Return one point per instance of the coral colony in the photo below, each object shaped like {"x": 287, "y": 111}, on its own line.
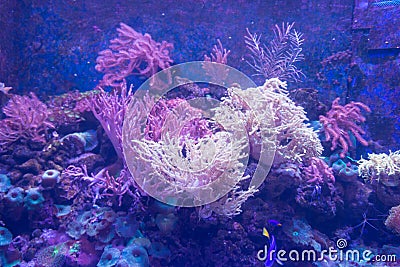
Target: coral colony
{"x": 77, "y": 182}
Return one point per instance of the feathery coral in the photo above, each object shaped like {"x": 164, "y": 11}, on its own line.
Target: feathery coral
{"x": 278, "y": 59}
{"x": 272, "y": 118}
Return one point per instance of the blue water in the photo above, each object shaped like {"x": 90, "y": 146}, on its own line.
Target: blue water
{"x": 75, "y": 189}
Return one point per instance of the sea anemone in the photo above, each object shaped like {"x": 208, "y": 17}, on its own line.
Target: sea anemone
{"x": 33, "y": 198}
{"x": 50, "y": 178}
{"x": 5, "y": 236}
{"x": 135, "y": 256}
{"x": 109, "y": 257}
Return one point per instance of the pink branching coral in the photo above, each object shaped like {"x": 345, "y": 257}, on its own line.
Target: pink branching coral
{"x": 341, "y": 120}
{"x": 109, "y": 109}
{"x": 132, "y": 53}
{"x": 393, "y": 220}
{"x": 219, "y": 55}
{"x": 195, "y": 128}
{"x": 318, "y": 171}
{"x": 27, "y": 118}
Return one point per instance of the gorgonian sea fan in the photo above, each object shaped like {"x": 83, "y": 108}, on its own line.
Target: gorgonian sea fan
{"x": 277, "y": 60}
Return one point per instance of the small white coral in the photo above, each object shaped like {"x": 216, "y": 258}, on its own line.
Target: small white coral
{"x": 381, "y": 167}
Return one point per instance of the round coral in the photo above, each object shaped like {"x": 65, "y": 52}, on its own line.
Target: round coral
{"x": 5, "y": 237}
{"x": 50, "y": 178}
{"x": 159, "y": 251}
{"x": 15, "y": 197}
{"x": 109, "y": 257}
{"x": 135, "y": 256}
{"x": 33, "y": 198}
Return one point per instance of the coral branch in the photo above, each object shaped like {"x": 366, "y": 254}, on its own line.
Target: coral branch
{"x": 132, "y": 53}
{"x": 278, "y": 59}
{"x": 27, "y": 118}
{"x": 341, "y": 120}
{"x": 318, "y": 171}
{"x": 109, "y": 109}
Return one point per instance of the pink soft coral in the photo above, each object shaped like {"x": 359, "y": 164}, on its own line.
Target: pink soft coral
{"x": 341, "y": 120}
{"x": 27, "y": 118}
{"x": 318, "y": 172}
{"x": 132, "y": 53}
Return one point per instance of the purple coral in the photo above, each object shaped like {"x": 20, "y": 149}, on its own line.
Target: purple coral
{"x": 109, "y": 109}
{"x": 341, "y": 120}
{"x": 132, "y": 53}
{"x": 27, "y": 118}
{"x": 194, "y": 128}
{"x": 318, "y": 171}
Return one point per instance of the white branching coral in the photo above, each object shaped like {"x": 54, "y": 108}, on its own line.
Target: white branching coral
{"x": 275, "y": 122}
{"x": 208, "y": 170}
{"x": 381, "y": 167}
{"x": 188, "y": 170}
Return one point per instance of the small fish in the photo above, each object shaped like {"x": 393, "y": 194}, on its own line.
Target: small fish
{"x": 265, "y": 232}
{"x": 275, "y": 222}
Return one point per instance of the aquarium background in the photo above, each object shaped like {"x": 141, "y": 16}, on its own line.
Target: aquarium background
{"x": 351, "y": 51}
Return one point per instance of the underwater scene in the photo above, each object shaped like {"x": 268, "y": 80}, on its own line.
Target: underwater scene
{"x": 199, "y": 133}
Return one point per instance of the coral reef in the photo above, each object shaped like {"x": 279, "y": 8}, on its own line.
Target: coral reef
{"x": 118, "y": 177}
